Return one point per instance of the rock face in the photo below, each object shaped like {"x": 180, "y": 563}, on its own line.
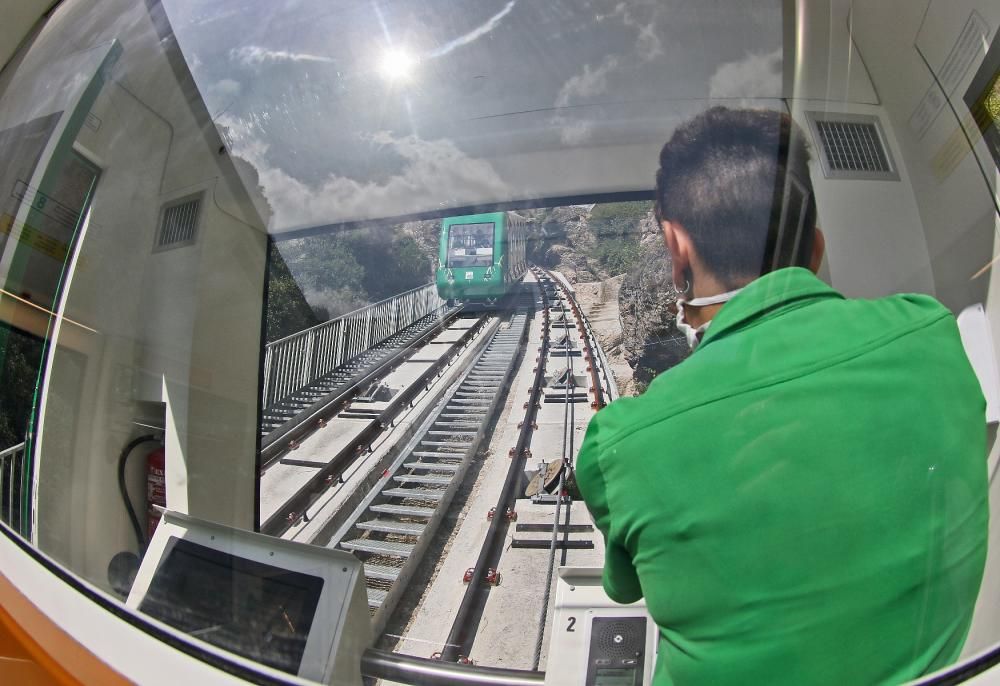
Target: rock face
{"x": 560, "y": 238}
{"x": 647, "y": 305}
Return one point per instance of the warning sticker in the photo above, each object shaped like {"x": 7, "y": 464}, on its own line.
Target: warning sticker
{"x": 32, "y": 237}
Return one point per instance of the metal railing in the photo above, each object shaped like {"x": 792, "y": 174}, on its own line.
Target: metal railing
{"x": 11, "y": 471}
{"x": 295, "y": 361}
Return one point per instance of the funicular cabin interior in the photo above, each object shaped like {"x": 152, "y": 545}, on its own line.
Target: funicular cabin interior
{"x": 170, "y": 172}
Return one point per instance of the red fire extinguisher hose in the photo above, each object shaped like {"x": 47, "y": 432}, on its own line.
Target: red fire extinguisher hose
{"x": 122, "y": 459}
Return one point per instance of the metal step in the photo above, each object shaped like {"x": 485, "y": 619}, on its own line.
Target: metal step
{"x": 403, "y": 510}
{"x": 415, "y": 493}
{"x": 438, "y": 454}
{"x": 388, "y": 526}
{"x": 376, "y": 597}
{"x": 367, "y": 545}
{"x": 433, "y": 466}
{"x": 423, "y": 479}
{"x": 381, "y": 572}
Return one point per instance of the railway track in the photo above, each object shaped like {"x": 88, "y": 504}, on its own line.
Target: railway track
{"x": 564, "y": 336}
{"x": 394, "y": 523}
{"x": 369, "y": 420}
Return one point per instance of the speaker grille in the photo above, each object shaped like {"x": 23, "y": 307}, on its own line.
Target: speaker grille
{"x": 618, "y": 639}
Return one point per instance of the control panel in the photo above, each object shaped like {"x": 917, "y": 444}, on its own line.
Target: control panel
{"x": 596, "y": 641}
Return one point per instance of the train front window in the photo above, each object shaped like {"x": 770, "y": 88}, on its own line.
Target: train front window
{"x": 470, "y": 245}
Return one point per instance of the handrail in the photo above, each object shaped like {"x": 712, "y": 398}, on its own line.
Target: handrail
{"x": 347, "y": 314}
{"x": 293, "y": 362}
{"x": 407, "y": 669}
{"x": 11, "y": 473}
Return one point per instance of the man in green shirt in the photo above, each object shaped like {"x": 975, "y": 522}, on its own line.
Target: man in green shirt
{"x": 804, "y": 499}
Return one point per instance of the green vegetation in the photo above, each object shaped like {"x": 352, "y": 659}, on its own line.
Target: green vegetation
{"x": 616, "y": 255}
{"x": 287, "y": 309}
{"x": 21, "y": 355}
{"x": 616, "y": 226}
{"x": 618, "y": 218}
{"x": 321, "y": 277}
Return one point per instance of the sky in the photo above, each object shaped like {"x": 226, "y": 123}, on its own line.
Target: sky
{"x": 350, "y": 110}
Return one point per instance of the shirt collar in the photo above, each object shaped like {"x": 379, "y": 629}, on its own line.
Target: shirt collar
{"x": 764, "y": 295}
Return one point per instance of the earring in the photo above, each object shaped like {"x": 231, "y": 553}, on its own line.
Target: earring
{"x": 687, "y": 285}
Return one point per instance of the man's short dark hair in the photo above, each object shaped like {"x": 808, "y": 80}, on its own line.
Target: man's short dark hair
{"x": 724, "y": 177}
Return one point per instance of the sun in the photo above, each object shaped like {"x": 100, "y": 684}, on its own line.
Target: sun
{"x": 397, "y": 65}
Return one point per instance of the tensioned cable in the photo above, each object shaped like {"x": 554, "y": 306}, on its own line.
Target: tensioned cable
{"x": 567, "y": 443}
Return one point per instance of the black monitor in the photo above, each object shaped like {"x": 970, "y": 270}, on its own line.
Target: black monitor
{"x": 281, "y": 604}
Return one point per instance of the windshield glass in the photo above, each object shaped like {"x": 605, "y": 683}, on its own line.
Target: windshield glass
{"x": 470, "y": 245}
{"x": 237, "y": 252}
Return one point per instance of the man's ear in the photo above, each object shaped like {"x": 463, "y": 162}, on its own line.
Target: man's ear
{"x": 819, "y": 248}
{"x": 679, "y": 246}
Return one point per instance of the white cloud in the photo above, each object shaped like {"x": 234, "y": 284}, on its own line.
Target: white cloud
{"x": 588, "y": 83}
{"x": 476, "y": 33}
{"x": 225, "y": 88}
{"x": 254, "y": 55}
{"x": 648, "y": 45}
{"x": 431, "y": 170}
{"x": 755, "y": 76}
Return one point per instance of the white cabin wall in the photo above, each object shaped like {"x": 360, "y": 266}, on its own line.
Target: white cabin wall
{"x": 874, "y": 237}
{"x": 953, "y": 198}
{"x": 178, "y": 327}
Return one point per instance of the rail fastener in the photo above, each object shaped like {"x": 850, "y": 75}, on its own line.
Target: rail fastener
{"x": 492, "y": 576}
{"x": 510, "y": 514}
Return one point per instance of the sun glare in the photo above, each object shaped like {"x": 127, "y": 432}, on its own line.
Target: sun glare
{"x": 397, "y": 65}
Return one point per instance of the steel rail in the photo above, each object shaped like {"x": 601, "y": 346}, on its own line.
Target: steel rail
{"x": 295, "y": 507}
{"x": 466, "y": 622}
{"x": 588, "y": 352}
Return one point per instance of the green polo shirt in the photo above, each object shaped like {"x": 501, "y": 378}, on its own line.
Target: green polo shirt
{"x": 804, "y": 499}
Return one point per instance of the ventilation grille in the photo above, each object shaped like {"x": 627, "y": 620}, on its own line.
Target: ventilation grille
{"x": 178, "y": 223}
{"x": 852, "y": 146}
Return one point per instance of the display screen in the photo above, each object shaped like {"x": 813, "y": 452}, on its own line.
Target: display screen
{"x": 470, "y": 245}
{"x": 246, "y": 607}
{"x": 615, "y": 677}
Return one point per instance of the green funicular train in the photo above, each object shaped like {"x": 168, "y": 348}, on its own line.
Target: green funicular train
{"x": 481, "y": 257}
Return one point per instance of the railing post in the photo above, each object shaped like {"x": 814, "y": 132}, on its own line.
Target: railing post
{"x": 312, "y": 355}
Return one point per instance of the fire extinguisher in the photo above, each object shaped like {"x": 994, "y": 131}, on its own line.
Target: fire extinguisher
{"x": 156, "y": 488}
{"x": 156, "y": 491}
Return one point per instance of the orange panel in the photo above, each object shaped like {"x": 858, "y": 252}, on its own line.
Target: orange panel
{"x": 35, "y": 651}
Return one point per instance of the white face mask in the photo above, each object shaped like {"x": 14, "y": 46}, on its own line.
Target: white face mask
{"x": 692, "y": 334}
